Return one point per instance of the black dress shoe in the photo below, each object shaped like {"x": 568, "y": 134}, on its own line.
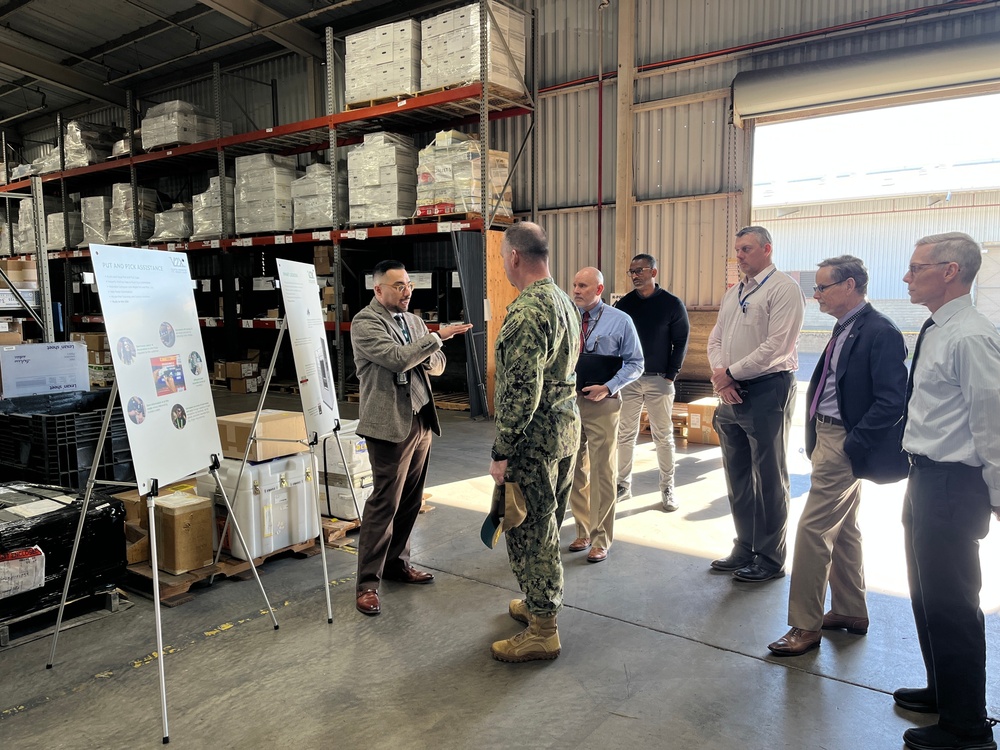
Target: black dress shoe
{"x": 732, "y": 562}
{"x": 936, "y": 738}
{"x": 408, "y": 574}
{"x": 918, "y": 700}
{"x": 756, "y": 573}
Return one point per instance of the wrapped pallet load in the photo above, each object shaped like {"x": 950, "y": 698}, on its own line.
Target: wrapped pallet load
{"x": 451, "y": 45}
{"x": 206, "y": 212}
{"x": 312, "y": 197}
{"x": 96, "y": 216}
{"x": 177, "y": 122}
{"x": 25, "y": 222}
{"x": 172, "y": 224}
{"x": 83, "y": 143}
{"x": 122, "y": 213}
{"x": 63, "y": 230}
{"x": 449, "y": 177}
{"x": 264, "y": 193}
{"x": 382, "y": 62}
{"x": 382, "y": 178}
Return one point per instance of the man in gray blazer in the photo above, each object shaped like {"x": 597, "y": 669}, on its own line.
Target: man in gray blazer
{"x": 395, "y": 355}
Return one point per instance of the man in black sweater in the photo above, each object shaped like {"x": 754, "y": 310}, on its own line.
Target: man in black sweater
{"x": 662, "y": 323}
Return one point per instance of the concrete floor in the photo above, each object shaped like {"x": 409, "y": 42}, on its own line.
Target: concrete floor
{"x": 657, "y": 651}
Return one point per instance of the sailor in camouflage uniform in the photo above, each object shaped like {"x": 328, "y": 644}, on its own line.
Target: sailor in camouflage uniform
{"x": 538, "y": 434}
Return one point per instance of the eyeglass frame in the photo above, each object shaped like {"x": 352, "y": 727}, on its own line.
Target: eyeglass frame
{"x": 638, "y": 271}
{"x": 400, "y": 286}
{"x": 820, "y": 288}
{"x": 914, "y": 268}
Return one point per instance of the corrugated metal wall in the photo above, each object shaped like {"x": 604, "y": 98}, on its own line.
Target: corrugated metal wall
{"x": 881, "y": 232}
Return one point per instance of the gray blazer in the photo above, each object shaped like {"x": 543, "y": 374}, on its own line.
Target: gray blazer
{"x": 380, "y": 351}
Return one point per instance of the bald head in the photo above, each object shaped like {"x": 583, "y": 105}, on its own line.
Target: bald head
{"x": 588, "y": 286}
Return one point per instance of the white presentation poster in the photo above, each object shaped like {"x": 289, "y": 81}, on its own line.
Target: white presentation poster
{"x": 35, "y": 369}
{"x": 303, "y": 315}
{"x": 160, "y": 367}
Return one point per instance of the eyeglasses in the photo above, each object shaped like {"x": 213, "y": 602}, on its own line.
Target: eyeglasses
{"x": 820, "y": 288}
{"x": 401, "y": 287}
{"x": 637, "y": 271}
{"x": 916, "y": 268}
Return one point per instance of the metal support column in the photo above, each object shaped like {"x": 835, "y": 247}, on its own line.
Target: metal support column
{"x": 41, "y": 259}
{"x": 333, "y": 106}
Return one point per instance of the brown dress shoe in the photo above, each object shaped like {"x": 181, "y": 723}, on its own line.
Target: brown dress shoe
{"x": 597, "y": 554}
{"x": 795, "y": 642}
{"x": 408, "y": 574}
{"x": 368, "y": 603}
{"x": 853, "y": 625}
{"x": 579, "y": 545}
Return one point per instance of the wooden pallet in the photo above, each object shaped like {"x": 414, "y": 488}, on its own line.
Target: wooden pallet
{"x": 365, "y": 103}
{"x": 284, "y": 387}
{"x": 175, "y": 590}
{"x": 455, "y": 217}
{"x": 495, "y": 90}
{"x": 335, "y": 532}
{"x": 34, "y": 625}
{"x": 452, "y": 401}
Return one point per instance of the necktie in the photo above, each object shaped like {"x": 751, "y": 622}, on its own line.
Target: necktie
{"x": 403, "y": 328}
{"x": 913, "y": 367}
{"x": 583, "y": 329}
{"x": 831, "y": 345}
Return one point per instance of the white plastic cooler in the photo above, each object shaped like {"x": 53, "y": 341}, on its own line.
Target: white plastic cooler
{"x": 275, "y": 504}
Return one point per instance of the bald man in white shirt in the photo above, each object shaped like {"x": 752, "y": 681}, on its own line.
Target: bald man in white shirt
{"x": 952, "y": 413}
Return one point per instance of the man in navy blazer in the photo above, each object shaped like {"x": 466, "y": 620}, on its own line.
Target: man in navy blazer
{"x": 855, "y": 409}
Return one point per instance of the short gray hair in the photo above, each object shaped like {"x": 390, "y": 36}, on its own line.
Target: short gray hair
{"x": 762, "y": 235}
{"x": 956, "y": 247}
{"x": 845, "y": 267}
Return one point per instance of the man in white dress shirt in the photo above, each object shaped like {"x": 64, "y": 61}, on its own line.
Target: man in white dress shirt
{"x": 951, "y": 435}
{"x": 753, "y": 354}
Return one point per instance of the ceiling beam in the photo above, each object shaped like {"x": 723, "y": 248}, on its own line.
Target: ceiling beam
{"x": 59, "y": 76}
{"x": 255, "y": 15}
{"x": 12, "y": 7}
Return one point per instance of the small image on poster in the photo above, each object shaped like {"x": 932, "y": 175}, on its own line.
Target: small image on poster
{"x": 168, "y": 375}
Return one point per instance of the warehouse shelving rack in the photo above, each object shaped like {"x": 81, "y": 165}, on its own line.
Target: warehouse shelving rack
{"x": 474, "y": 103}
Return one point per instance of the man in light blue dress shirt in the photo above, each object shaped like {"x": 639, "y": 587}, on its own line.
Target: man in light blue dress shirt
{"x": 611, "y": 354}
{"x": 951, "y": 437}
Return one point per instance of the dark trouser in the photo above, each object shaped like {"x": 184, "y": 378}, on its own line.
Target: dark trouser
{"x": 946, "y": 512}
{"x": 398, "y": 470}
{"x": 533, "y": 547}
{"x": 754, "y": 439}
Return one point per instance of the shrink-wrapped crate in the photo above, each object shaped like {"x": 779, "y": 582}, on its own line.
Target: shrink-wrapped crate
{"x": 26, "y": 225}
{"x": 312, "y": 197}
{"x": 172, "y": 224}
{"x": 207, "y": 219}
{"x": 96, "y": 215}
{"x": 264, "y": 193}
{"x": 382, "y": 62}
{"x": 449, "y": 177}
{"x": 83, "y": 143}
{"x": 382, "y": 178}
{"x": 62, "y": 233}
{"x": 176, "y": 122}
{"x": 122, "y": 212}
{"x": 451, "y": 44}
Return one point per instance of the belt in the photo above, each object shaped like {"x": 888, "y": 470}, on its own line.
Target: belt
{"x": 917, "y": 460}
{"x": 769, "y": 376}
{"x": 828, "y": 420}
{"x": 654, "y": 374}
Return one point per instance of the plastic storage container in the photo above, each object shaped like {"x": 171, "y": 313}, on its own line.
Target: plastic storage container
{"x": 275, "y": 504}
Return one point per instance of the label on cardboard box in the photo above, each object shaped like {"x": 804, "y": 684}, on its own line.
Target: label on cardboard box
{"x": 21, "y": 570}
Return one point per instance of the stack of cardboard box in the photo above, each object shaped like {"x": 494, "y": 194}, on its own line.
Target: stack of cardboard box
{"x": 99, "y": 364}
{"x": 11, "y": 332}
{"x": 382, "y": 62}
{"x": 242, "y": 375}
{"x": 382, "y": 177}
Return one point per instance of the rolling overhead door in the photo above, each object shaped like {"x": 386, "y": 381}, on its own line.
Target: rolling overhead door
{"x": 931, "y": 71}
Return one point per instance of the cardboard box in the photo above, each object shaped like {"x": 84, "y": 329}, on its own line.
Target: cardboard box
{"x": 98, "y": 357}
{"x": 94, "y": 341}
{"x": 234, "y": 431}
{"x": 323, "y": 267}
{"x": 183, "y": 532}
{"x": 700, "y": 415}
{"x": 245, "y": 385}
{"x": 219, "y": 370}
{"x": 242, "y": 368}
{"x": 11, "y": 338}
{"x": 135, "y": 504}
{"x": 136, "y": 544}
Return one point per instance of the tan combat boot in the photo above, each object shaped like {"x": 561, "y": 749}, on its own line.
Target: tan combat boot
{"x": 540, "y": 640}
{"x": 518, "y": 609}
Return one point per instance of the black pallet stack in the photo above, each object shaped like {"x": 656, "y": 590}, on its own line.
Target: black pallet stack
{"x": 59, "y": 449}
